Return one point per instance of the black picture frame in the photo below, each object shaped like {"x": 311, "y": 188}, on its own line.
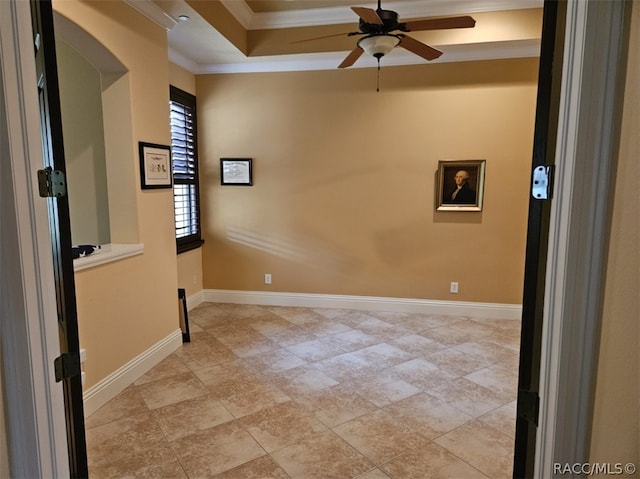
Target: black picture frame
{"x": 155, "y": 166}
{"x": 236, "y": 171}
{"x": 471, "y": 194}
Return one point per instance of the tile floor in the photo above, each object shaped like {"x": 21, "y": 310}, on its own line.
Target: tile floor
{"x": 280, "y": 392}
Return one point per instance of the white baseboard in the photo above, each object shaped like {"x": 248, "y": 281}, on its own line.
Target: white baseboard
{"x": 99, "y": 394}
{"x": 370, "y": 303}
{"x": 195, "y": 300}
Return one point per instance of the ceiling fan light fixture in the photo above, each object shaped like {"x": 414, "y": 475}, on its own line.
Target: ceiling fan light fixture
{"x": 379, "y": 45}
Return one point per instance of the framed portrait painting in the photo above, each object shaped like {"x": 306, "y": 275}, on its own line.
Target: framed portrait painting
{"x": 155, "y": 166}
{"x": 460, "y": 185}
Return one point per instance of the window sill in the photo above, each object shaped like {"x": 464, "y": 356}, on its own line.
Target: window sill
{"x": 108, "y": 253}
{"x": 191, "y": 245}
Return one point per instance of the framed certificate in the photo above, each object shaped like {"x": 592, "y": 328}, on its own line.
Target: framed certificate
{"x": 236, "y": 171}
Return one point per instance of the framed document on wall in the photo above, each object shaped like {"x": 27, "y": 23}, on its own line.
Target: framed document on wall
{"x": 155, "y": 166}
{"x": 236, "y": 171}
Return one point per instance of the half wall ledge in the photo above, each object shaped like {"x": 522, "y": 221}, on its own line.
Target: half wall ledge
{"x": 107, "y": 253}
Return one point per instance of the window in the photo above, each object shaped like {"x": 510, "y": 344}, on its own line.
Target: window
{"x": 184, "y": 158}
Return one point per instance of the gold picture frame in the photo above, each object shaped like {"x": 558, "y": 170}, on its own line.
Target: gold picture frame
{"x": 460, "y": 185}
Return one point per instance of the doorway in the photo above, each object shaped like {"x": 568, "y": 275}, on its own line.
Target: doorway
{"x": 21, "y": 191}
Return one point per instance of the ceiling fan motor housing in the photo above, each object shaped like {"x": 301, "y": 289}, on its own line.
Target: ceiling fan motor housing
{"x": 389, "y": 23}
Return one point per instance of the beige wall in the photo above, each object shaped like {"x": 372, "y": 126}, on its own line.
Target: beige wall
{"x": 616, "y": 423}
{"x": 128, "y": 306}
{"x": 190, "y": 262}
{"x": 343, "y": 195}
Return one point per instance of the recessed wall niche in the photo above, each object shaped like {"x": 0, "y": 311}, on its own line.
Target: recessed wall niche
{"x": 98, "y": 140}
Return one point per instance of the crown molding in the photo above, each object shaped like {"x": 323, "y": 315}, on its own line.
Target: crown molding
{"x": 339, "y": 15}
{"x": 240, "y": 10}
{"x": 153, "y": 12}
{"x": 330, "y": 60}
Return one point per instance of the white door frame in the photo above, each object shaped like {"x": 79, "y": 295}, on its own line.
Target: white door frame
{"x": 34, "y": 402}
{"x": 596, "y": 44}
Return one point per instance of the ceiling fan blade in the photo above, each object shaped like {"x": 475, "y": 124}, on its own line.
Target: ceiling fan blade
{"x": 351, "y": 57}
{"x": 419, "y": 48}
{"x": 368, "y": 15}
{"x": 439, "y": 24}
{"x": 346, "y": 34}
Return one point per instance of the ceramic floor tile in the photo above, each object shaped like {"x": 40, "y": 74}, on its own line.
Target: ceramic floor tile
{"x": 249, "y": 397}
{"x": 326, "y": 327}
{"x": 416, "y": 344}
{"x": 421, "y": 373}
{"x": 300, "y": 316}
{"x": 216, "y": 450}
{"x": 274, "y": 361}
{"x": 281, "y": 425}
{"x": 469, "y": 397}
{"x": 301, "y": 380}
{"x": 118, "y": 439}
{"x": 456, "y": 362}
{"x": 172, "y": 365}
{"x": 324, "y": 456}
{"x": 354, "y": 319}
{"x": 379, "y": 436}
{"x": 190, "y": 416}
{"x": 332, "y": 313}
{"x": 271, "y": 326}
{"x": 335, "y": 405}
{"x": 220, "y": 375}
{"x": 262, "y": 468}
{"x": 487, "y": 349}
{"x": 509, "y": 339}
{"x": 248, "y": 345}
{"x": 345, "y": 367}
{"x": 290, "y": 335}
{"x": 204, "y": 351}
{"x": 260, "y": 390}
{"x": 503, "y": 419}
{"x": 171, "y": 390}
{"x": 500, "y": 379}
{"x": 430, "y": 462}
{"x": 430, "y": 416}
{"x": 315, "y": 350}
{"x": 482, "y": 446}
{"x": 384, "y": 388}
{"x": 354, "y": 339}
{"x": 382, "y": 355}
{"x": 154, "y": 463}
{"x": 382, "y": 329}
{"x": 417, "y": 322}
{"x": 127, "y": 404}
{"x": 373, "y": 474}
{"x": 459, "y": 332}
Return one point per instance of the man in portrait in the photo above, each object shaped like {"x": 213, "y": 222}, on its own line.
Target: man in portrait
{"x": 462, "y": 194}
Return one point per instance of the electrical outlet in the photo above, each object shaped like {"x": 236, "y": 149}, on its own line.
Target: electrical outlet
{"x": 267, "y": 278}
{"x": 454, "y": 287}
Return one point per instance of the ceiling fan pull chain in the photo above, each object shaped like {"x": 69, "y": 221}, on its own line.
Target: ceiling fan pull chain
{"x": 378, "y": 78}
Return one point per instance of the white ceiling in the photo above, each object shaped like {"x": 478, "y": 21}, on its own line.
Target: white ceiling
{"x": 198, "y": 47}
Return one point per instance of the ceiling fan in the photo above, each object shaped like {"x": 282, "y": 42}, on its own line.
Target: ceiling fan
{"x": 379, "y": 27}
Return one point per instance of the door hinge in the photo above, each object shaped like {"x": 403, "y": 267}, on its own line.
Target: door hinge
{"x": 542, "y": 183}
{"x": 67, "y": 366}
{"x": 528, "y": 405}
{"x": 51, "y": 183}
